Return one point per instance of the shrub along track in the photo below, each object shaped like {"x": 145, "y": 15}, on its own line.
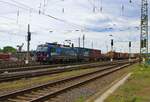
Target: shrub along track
{"x": 54, "y": 89}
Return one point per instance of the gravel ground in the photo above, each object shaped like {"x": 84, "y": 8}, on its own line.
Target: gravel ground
{"x": 7, "y": 87}
{"x": 83, "y": 92}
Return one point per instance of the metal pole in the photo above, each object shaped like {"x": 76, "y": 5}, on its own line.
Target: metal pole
{"x": 144, "y": 31}
{"x": 92, "y": 44}
{"x": 107, "y": 47}
{"x": 83, "y": 40}
{"x": 79, "y": 41}
{"x": 28, "y": 44}
{"x": 78, "y": 51}
{"x": 129, "y": 51}
{"x": 112, "y": 43}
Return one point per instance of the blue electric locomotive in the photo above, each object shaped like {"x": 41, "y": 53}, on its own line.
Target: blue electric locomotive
{"x": 51, "y": 52}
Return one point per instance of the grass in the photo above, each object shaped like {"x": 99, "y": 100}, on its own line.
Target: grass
{"x": 136, "y": 89}
{"x": 81, "y": 99}
{"x": 25, "y": 83}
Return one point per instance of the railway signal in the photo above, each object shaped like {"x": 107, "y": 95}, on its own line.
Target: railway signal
{"x": 28, "y": 44}
{"x": 83, "y": 41}
{"x": 129, "y": 51}
{"x": 112, "y": 44}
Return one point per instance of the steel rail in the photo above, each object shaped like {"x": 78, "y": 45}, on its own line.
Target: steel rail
{"x": 30, "y": 74}
{"x": 62, "y": 81}
{"x": 35, "y": 67}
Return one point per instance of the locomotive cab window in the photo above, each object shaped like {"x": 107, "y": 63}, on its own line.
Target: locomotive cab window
{"x": 42, "y": 48}
{"x": 53, "y": 51}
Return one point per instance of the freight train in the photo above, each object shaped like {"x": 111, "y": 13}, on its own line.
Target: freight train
{"x": 5, "y": 57}
{"x": 120, "y": 56}
{"x": 56, "y": 53}
{"x": 117, "y": 55}
{"x": 51, "y": 52}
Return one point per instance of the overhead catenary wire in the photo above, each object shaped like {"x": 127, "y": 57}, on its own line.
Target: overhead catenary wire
{"x": 48, "y": 15}
{"x": 93, "y": 4}
{"x": 18, "y": 25}
{"x": 29, "y": 8}
{"x": 15, "y": 5}
{"x": 13, "y": 22}
{"x": 26, "y": 7}
{"x": 56, "y": 17}
{"x": 21, "y": 25}
{"x": 18, "y": 13}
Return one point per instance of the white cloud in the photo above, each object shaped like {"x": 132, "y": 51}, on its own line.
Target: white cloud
{"x": 78, "y": 14}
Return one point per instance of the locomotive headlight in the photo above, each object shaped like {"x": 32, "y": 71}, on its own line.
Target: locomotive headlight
{"x": 44, "y": 59}
{"x": 47, "y": 55}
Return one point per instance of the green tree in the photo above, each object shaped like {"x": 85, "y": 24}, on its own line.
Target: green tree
{"x": 9, "y": 49}
{"x": 1, "y": 50}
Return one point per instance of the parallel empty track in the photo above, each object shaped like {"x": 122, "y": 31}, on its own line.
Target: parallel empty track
{"x": 37, "y": 67}
{"x": 34, "y": 73}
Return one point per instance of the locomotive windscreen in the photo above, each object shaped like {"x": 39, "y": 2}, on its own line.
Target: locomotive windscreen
{"x": 41, "y": 48}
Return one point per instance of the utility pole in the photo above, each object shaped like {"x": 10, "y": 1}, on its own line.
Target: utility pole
{"x": 144, "y": 31}
{"x": 19, "y": 51}
{"x": 78, "y": 51}
{"x": 79, "y": 41}
{"x": 92, "y": 44}
{"x": 83, "y": 40}
{"x": 129, "y": 51}
{"x": 107, "y": 48}
{"x": 112, "y": 44}
{"x": 28, "y": 43}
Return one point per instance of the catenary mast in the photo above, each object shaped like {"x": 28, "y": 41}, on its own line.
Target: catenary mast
{"x": 144, "y": 30}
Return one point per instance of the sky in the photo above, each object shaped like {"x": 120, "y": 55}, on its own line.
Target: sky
{"x": 60, "y": 20}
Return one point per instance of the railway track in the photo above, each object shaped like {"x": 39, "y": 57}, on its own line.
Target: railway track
{"x": 19, "y": 69}
{"x": 34, "y": 73}
{"x": 36, "y": 67}
{"x": 51, "y": 90}
{"x": 16, "y": 64}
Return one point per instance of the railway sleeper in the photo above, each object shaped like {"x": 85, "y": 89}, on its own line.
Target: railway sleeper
{"x": 54, "y": 89}
{"x": 15, "y": 100}
{"x": 42, "y": 91}
{"x": 55, "y": 100}
{"x": 31, "y": 95}
{"x": 39, "y": 92}
{"x": 23, "y": 98}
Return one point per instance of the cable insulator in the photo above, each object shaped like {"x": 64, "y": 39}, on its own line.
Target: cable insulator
{"x": 130, "y": 1}
{"x": 101, "y": 9}
{"x": 63, "y": 10}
